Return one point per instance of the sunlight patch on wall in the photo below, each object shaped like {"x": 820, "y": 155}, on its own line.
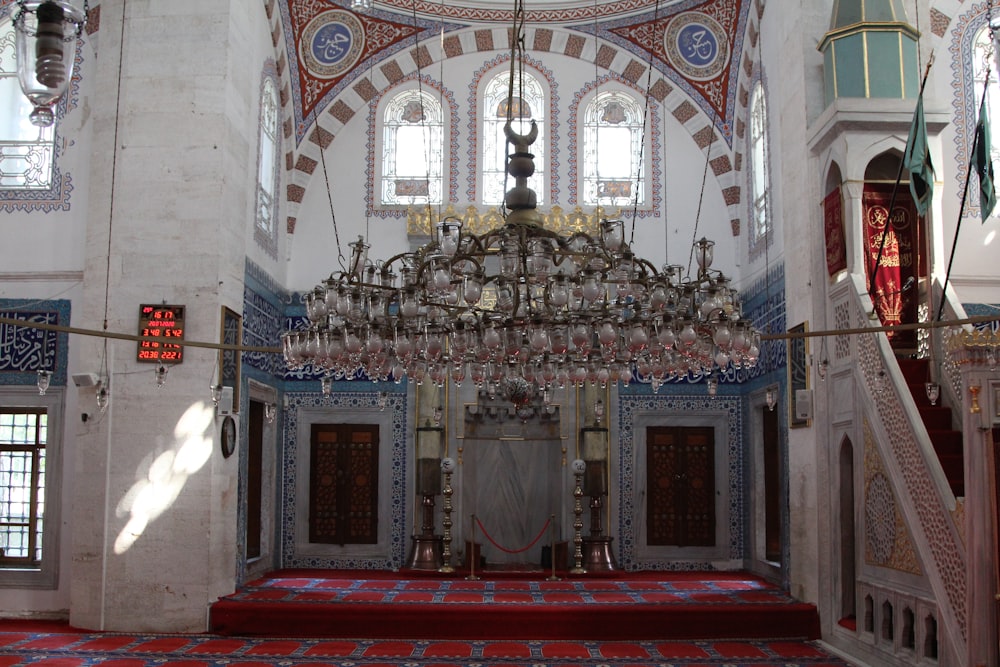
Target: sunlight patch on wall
{"x": 167, "y": 474}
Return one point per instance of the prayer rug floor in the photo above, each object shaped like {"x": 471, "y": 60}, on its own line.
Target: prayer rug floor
{"x": 25, "y": 644}
{"x": 632, "y": 606}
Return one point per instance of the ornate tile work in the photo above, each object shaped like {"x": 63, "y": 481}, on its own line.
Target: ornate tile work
{"x": 392, "y": 72}
{"x": 966, "y": 26}
{"x": 574, "y": 46}
{"x": 659, "y": 90}
{"x": 629, "y": 406}
{"x": 732, "y": 195}
{"x": 453, "y": 46}
{"x": 344, "y": 400}
{"x": 721, "y": 165}
{"x": 341, "y": 111}
{"x": 484, "y": 40}
{"x": 543, "y": 40}
{"x": 842, "y": 320}
{"x": 25, "y": 351}
{"x": 887, "y": 540}
{"x": 939, "y": 22}
{"x": 916, "y": 484}
{"x": 634, "y": 71}
{"x": 685, "y": 111}
{"x": 305, "y": 164}
{"x": 295, "y": 193}
{"x": 321, "y": 137}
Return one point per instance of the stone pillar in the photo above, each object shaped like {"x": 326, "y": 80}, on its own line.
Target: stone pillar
{"x": 980, "y": 495}
{"x": 153, "y": 511}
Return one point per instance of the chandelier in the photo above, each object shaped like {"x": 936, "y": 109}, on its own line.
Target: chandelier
{"x": 520, "y": 306}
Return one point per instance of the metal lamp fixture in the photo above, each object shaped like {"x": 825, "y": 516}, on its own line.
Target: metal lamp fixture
{"x": 520, "y": 303}
{"x": 46, "y": 33}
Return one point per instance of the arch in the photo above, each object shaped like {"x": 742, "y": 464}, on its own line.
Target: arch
{"x": 533, "y": 105}
{"x": 847, "y": 503}
{"x": 652, "y": 151}
{"x": 353, "y": 100}
{"x": 411, "y": 168}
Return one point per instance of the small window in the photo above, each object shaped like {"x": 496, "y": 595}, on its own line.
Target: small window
{"x": 26, "y": 151}
{"x": 525, "y": 105}
{"x": 612, "y": 151}
{"x": 267, "y": 168}
{"x": 23, "y": 437}
{"x": 412, "y": 150}
{"x": 760, "y": 226}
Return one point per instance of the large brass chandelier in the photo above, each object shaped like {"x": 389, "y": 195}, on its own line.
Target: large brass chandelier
{"x": 521, "y": 309}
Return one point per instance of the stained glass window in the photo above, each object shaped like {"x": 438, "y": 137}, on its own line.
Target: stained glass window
{"x": 23, "y": 435}
{"x": 525, "y": 105}
{"x": 26, "y": 151}
{"x": 612, "y": 151}
{"x": 759, "y": 179}
{"x": 267, "y": 167}
{"x": 412, "y": 150}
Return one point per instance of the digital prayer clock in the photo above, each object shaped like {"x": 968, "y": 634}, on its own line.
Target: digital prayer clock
{"x": 162, "y": 329}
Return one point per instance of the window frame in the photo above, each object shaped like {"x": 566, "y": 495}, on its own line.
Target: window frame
{"x": 634, "y": 122}
{"x": 46, "y": 575}
{"x": 494, "y": 92}
{"x": 760, "y": 223}
{"x": 434, "y": 121}
{"x": 269, "y": 130}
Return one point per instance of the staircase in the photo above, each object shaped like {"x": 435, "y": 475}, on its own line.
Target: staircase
{"x": 937, "y": 418}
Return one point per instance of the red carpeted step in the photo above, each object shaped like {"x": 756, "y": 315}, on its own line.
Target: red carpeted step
{"x": 950, "y": 452}
{"x": 915, "y": 370}
{"x": 635, "y": 606}
{"x": 936, "y": 418}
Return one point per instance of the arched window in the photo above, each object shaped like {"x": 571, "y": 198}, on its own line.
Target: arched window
{"x": 525, "y": 105}
{"x": 266, "y": 231}
{"x": 26, "y": 151}
{"x": 983, "y": 61}
{"x": 613, "y": 174}
{"x": 760, "y": 185}
{"x": 412, "y": 150}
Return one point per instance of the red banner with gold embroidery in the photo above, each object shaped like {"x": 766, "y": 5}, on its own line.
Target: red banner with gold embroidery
{"x": 833, "y": 226}
{"x": 894, "y": 295}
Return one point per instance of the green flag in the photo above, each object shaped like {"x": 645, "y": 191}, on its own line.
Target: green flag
{"x": 917, "y": 159}
{"x": 984, "y": 164}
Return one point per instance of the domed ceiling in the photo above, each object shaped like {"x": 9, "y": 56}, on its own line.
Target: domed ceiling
{"x": 693, "y": 45}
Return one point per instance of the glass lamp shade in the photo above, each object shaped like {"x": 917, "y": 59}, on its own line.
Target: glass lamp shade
{"x": 430, "y": 450}
{"x": 45, "y": 36}
{"x": 361, "y": 5}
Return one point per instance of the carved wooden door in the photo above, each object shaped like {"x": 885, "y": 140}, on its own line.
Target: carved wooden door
{"x": 680, "y": 478}
{"x": 343, "y": 484}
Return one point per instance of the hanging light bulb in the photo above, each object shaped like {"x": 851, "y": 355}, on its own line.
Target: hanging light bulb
{"x": 270, "y": 412}
{"x": 216, "y": 394}
{"x": 598, "y": 412}
{"x": 771, "y": 397}
{"x": 46, "y": 34}
{"x": 44, "y": 378}
{"x": 713, "y": 387}
{"x": 383, "y": 400}
{"x": 161, "y": 375}
{"x": 326, "y": 385}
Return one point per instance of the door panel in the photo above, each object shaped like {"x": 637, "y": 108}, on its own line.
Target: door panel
{"x": 681, "y": 481}
{"x": 343, "y": 480}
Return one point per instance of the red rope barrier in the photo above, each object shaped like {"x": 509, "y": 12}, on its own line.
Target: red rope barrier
{"x": 514, "y": 551}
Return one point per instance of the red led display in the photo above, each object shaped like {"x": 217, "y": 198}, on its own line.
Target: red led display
{"x": 161, "y": 327}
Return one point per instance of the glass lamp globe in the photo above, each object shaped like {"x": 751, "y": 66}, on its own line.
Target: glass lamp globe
{"x": 45, "y": 44}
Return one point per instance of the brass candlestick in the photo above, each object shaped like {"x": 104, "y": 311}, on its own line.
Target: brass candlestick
{"x": 448, "y": 466}
{"x": 579, "y": 467}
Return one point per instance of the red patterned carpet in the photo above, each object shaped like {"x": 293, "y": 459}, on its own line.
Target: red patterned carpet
{"x": 39, "y": 646}
{"x": 632, "y": 606}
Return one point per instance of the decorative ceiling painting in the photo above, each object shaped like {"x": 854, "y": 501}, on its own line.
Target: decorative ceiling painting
{"x": 696, "y": 44}
{"x": 329, "y": 45}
